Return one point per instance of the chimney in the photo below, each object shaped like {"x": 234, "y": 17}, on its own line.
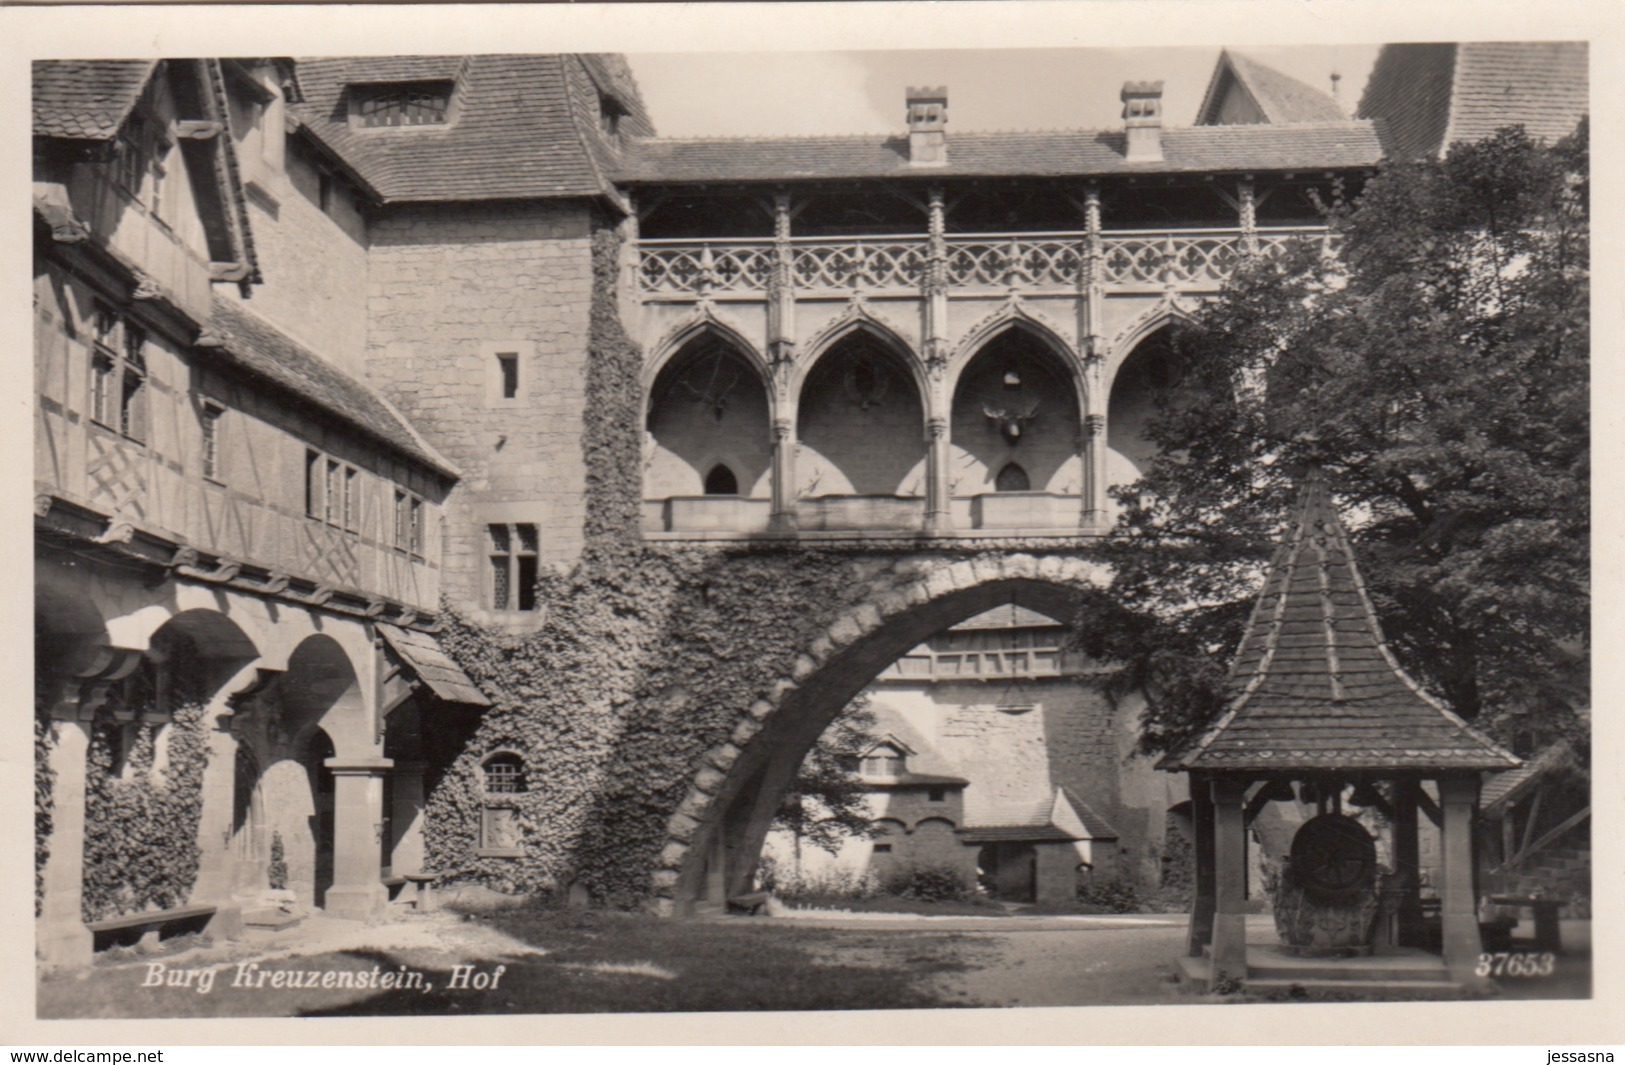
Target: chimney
{"x": 1142, "y": 121}
{"x": 927, "y": 126}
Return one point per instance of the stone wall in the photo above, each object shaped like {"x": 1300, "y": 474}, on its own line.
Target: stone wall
{"x": 314, "y": 263}
{"x": 452, "y": 288}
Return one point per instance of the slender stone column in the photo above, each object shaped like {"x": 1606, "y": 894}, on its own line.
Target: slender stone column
{"x": 1248, "y": 200}
{"x": 1408, "y": 865}
{"x": 62, "y": 940}
{"x": 1092, "y": 454}
{"x": 938, "y": 508}
{"x": 1200, "y": 933}
{"x": 406, "y": 855}
{"x": 1230, "y": 878}
{"x": 358, "y": 825}
{"x": 1462, "y": 943}
{"x": 784, "y": 475}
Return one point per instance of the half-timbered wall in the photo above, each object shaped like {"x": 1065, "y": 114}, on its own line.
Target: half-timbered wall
{"x": 253, "y": 510}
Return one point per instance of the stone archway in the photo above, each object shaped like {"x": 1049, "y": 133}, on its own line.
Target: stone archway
{"x": 717, "y": 832}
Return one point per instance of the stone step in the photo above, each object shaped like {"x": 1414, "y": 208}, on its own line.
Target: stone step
{"x": 1268, "y": 964}
{"x": 272, "y": 919}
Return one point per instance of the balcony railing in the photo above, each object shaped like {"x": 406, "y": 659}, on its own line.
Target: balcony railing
{"x": 1186, "y": 257}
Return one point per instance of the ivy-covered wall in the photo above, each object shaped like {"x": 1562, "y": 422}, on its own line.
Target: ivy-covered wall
{"x": 646, "y": 658}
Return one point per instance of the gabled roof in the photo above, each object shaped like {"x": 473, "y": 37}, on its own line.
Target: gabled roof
{"x": 523, "y": 126}
{"x": 1061, "y": 816}
{"x": 1061, "y": 153}
{"x": 1503, "y": 788}
{"x": 1276, "y": 97}
{"x": 86, "y": 99}
{"x": 252, "y": 344}
{"x": 1429, "y": 96}
{"x": 924, "y": 764}
{"x": 1009, "y": 616}
{"x": 1314, "y": 685}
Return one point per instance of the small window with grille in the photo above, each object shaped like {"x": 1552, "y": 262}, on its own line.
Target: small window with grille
{"x": 209, "y": 423}
{"x": 513, "y": 559}
{"x": 403, "y": 105}
{"x": 505, "y": 774}
{"x": 504, "y": 778}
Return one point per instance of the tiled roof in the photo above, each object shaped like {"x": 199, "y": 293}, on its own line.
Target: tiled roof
{"x": 1282, "y": 99}
{"x": 1314, "y": 685}
{"x": 1428, "y": 96}
{"x": 1034, "y": 154}
{"x": 522, "y": 126}
{"x": 86, "y": 99}
{"x": 1008, "y": 616}
{"x": 1061, "y": 816}
{"x": 1504, "y": 787}
{"x": 1541, "y": 86}
{"x": 259, "y": 348}
{"x": 422, "y": 654}
{"x": 924, "y": 763}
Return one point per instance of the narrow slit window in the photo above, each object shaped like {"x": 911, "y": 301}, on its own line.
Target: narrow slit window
{"x": 352, "y": 499}
{"x": 334, "y": 496}
{"x": 508, "y": 367}
{"x": 313, "y": 484}
{"x": 400, "y": 519}
{"x": 210, "y": 424}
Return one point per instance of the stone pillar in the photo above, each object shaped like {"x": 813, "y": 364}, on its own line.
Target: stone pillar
{"x": 1092, "y": 454}
{"x": 1407, "y": 866}
{"x": 1230, "y": 878}
{"x": 61, "y": 939}
{"x": 1248, "y": 201}
{"x": 406, "y": 853}
{"x": 216, "y": 858}
{"x": 784, "y": 475}
{"x": 358, "y": 824}
{"x": 1458, "y": 795}
{"x": 1200, "y": 932}
{"x": 938, "y": 506}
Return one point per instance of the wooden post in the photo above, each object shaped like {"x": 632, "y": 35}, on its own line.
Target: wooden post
{"x": 1462, "y": 943}
{"x": 1230, "y": 878}
{"x": 1408, "y": 865}
{"x": 1200, "y": 932}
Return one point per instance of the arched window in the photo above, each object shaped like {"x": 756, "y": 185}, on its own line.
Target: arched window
{"x": 504, "y": 774}
{"x": 721, "y": 481}
{"x": 1012, "y": 479}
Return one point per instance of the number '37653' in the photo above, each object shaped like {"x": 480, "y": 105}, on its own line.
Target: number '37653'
{"x": 1505, "y": 963}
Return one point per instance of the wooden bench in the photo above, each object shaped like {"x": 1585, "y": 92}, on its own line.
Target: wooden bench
{"x": 750, "y": 903}
{"x": 146, "y": 928}
{"x": 1495, "y": 932}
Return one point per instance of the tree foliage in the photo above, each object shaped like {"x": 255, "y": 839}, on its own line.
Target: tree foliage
{"x": 1436, "y": 369}
{"x": 827, "y": 803}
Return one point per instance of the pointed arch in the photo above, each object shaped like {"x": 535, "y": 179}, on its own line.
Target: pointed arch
{"x": 685, "y": 332}
{"x": 1014, "y": 315}
{"x": 1166, "y": 312}
{"x": 861, "y": 405}
{"x": 858, "y": 319}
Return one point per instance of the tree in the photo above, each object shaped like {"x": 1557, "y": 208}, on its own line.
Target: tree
{"x": 826, "y": 804}
{"x": 1436, "y": 370}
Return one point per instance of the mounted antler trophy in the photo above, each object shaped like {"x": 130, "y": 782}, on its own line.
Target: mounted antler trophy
{"x": 1010, "y": 422}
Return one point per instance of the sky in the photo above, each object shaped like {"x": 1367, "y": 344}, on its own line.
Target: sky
{"x": 766, "y": 93}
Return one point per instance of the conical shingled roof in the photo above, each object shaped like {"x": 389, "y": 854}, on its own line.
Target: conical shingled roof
{"x": 1314, "y": 685}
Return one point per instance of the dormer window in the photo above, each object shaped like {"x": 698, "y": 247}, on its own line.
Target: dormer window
{"x": 382, "y": 106}
{"x": 883, "y": 761}
{"x": 610, "y": 114}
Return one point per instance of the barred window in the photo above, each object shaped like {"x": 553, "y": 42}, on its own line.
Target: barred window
{"x": 210, "y": 424}
{"x": 504, "y": 774}
{"x": 513, "y": 560}
{"x": 415, "y": 106}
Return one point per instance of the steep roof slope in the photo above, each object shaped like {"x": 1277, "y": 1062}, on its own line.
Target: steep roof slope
{"x": 523, "y": 126}
{"x": 1278, "y": 98}
{"x": 1314, "y": 684}
{"x": 86, "y": 99}
{"x": 1428, "y": 96}
{"x": 254, "y": 345}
